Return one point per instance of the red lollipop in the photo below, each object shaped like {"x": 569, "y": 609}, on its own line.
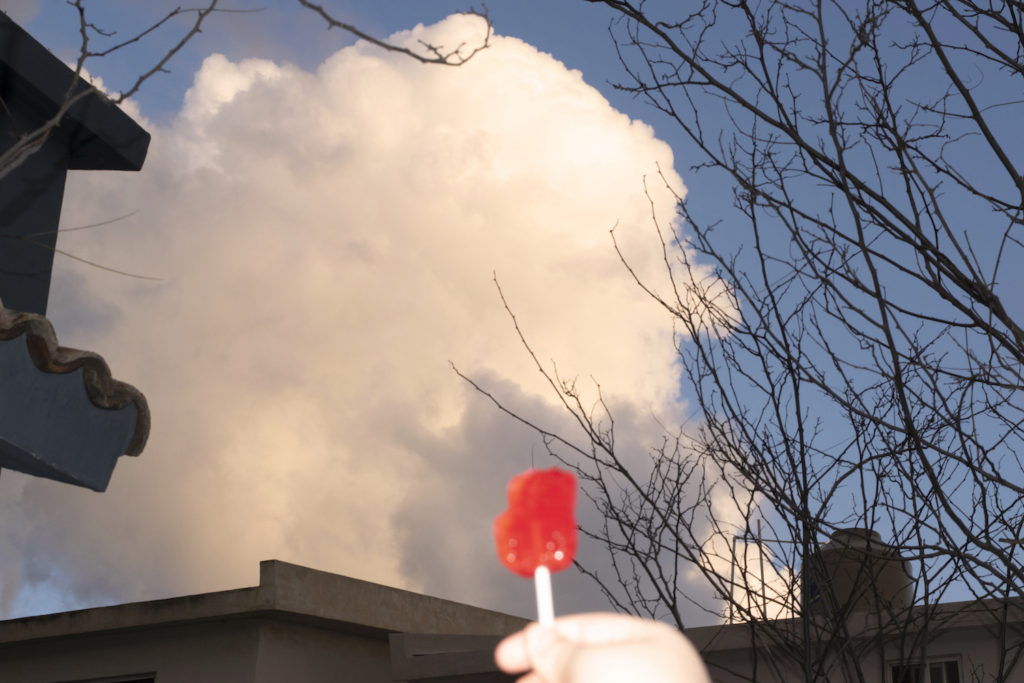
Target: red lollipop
{"x": 536, "y": 535}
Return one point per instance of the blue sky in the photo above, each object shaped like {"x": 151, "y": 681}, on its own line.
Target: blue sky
{"x": 574, "y": 33}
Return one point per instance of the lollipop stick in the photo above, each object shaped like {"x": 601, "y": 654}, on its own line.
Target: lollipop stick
{"x": 545, "y": 605}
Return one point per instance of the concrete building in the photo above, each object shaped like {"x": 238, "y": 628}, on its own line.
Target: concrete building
{"x": 862, "y": 625}
{"x": 962, "y": 642}
{"x": 298, "y": 625}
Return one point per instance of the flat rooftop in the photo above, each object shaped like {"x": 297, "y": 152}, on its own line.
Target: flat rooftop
{"x": 285, "y": 591}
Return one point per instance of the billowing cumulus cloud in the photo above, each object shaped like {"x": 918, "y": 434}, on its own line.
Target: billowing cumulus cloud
{"x": 327, "y": 243}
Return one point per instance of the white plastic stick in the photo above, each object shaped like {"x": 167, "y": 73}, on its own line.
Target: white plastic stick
{"x": 545, "y": 605}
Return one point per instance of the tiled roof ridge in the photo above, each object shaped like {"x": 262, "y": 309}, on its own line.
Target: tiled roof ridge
{"x": 48, "y": 356}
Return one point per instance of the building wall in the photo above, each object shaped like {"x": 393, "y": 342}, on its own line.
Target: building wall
{"x": 977, "y": 649}
{"x": 295, "y": 652}
{"x": 230, "y": 651}
{"x": 223, "y": 652}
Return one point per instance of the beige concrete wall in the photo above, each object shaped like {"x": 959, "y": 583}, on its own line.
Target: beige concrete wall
{"x": 978, "y": 650}
{"x": 232, "y": 651}
{"x": 296, "y": 652}
{"x": 218, "y": 652}
{"x": 734, "y": 666}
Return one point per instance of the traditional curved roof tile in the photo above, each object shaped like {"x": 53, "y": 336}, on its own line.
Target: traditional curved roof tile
{"x": 97, "y": 413}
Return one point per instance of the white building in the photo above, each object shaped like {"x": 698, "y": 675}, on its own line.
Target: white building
{"x": 862, "y": 627}
{"x": 963, "y": 642}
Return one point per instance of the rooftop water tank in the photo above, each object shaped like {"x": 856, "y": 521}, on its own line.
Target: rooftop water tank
{"x": 855, "y": 571}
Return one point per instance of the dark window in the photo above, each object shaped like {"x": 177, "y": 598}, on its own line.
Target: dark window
{"x": 939, "y": 671}
{"x": 130, "y": 678}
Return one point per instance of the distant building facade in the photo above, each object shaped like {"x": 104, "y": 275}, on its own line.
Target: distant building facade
{"x": 961, "y": 642}
{"x": 862, "y": 625}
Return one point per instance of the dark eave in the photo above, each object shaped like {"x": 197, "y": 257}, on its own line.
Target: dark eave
{"x": 101, "y": 136}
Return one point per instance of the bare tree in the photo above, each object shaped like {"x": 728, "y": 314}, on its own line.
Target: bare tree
{"x": 855, "y": 355}
{"x": 98, "y": 41}
{"x": 430, "y": 54}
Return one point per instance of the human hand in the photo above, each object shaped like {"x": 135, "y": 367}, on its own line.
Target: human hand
{"x": 601, "y": 648}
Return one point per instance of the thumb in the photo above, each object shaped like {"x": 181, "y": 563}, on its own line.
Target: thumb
{"x": 548, "y": 652}
{"x": 663, "y": 656}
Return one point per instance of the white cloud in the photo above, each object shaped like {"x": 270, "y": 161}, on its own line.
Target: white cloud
{"x": 328, "y": 241}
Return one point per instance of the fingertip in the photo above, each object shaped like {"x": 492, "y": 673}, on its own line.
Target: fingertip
{"x": 510, "y": 655}
{"x": 523, "y": 651}
{"x": 546, "y": 651}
